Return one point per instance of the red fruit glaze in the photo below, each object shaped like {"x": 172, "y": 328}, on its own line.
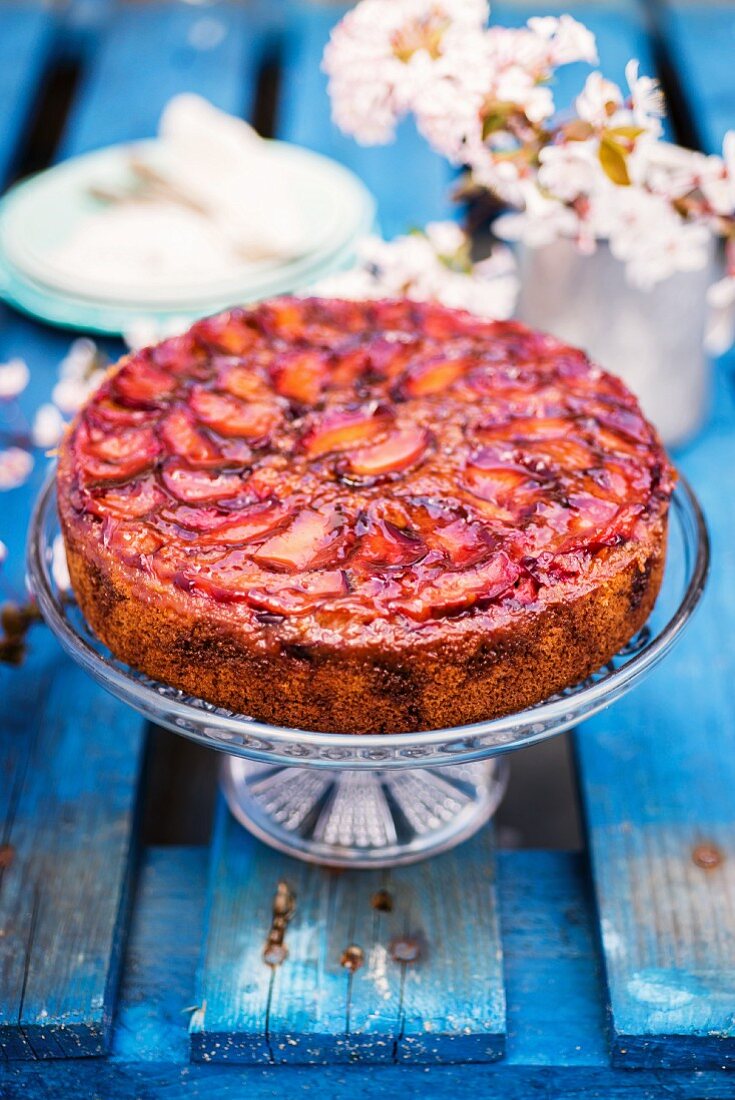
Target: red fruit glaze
{"x": 336, "y": 463}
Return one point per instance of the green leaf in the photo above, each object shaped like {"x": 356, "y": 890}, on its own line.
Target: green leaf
{"x": 612, "y": 159}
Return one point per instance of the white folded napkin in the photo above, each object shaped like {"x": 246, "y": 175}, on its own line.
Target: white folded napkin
{"x": 206, "y": 200}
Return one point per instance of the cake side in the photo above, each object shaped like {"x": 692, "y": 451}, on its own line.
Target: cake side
{"x": 463, "y": 676}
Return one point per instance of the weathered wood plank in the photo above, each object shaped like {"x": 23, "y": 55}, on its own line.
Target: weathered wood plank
{"x": 72, "y": 755}
{"x": 154, "y": 51}
{"x": 427, "y": 984}
{"x": 556, "y": 1034}
{"x": 658, "y": 771}
{"x": 412, "y": 184}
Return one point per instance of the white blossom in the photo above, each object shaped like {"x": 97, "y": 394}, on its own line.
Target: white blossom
{"x": 420, "y": 266}
{"x": 717, "y": 178}
{"x": 15, "y": 467}
{"x": 653, "y": 242}
{"x": 570, "y": 169}
{"x": 79, "y": 359}
{"x": 542, "y": 221}
{"x": 48, "y": 426}
{"x": 3, "y": 552}
{"x": 648, "y": 105}
{"x": 14, "y": 377}
{"x": 69, "y": 394}
{"x": 569, "y": 40}
{"x": 598, "y": 100}
{"x": 381, "y": 54}
{"x": 446, "y": 238}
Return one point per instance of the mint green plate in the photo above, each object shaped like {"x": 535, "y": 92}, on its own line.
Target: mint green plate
{"x": 37, "y": 215}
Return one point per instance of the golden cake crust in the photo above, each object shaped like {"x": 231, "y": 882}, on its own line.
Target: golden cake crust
{"x": 513, "y": 575}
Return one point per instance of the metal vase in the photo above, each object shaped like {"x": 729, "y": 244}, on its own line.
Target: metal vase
{"x": 653, "y": 339}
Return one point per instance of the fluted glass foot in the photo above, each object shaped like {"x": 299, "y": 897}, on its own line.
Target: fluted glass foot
{"x": 344, "y": 818}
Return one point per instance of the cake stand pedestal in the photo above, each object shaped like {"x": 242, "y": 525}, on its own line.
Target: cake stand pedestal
{"x": 373, "y": 800}
{"x": 380, "y": 818}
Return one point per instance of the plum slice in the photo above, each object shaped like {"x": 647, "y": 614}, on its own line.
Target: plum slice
{"x": 131, "y": 501}
{"x": 117, "y": 456}
{"x": 192, "y": 486}
{"x": 305, "y": 544}
{"x": 342, "y": 429}
{"x": 464, "y": 543}
{"x": 385, "y": 540}
{"x": 432, "y": 376}
{"x": 182, "y": 438}
{"x": 247, "y": 525}
{"x": 300, "y": 375}
{"x": 454, "y": 592}
{"x": 230, "y": 416}
{"x": 297, "y": 598}
{"x": 140, "y": 384}
{"x": 402, "y": 448}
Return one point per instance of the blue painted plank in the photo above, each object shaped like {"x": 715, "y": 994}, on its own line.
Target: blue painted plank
{"x": 553, "y": 994}
{"x": 658, "y": 774}
{"x": 154, "y": 51}
{"x": 72, "y": 755}
{"x": 26, "y": 38}
{"x": 658, "y": 771}
{"x": 446, "y": 1006}
{"x": 412, "y": 185}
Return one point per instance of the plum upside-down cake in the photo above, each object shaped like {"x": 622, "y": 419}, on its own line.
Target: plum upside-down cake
{"x": 363, "y": 516}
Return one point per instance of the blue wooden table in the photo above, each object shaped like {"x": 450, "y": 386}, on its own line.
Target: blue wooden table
{"x": 128, "y": 971}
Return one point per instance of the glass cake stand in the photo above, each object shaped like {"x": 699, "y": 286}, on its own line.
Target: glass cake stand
{"x": 374, "y": 800}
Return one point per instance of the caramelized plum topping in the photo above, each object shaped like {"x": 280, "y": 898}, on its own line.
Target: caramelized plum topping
{"x": 341, "y": 462}
{"x": 132, "y": 500}
{"x": 403, "y": 447}
{"x": 247, "y": 526}
{"x": 192, "y": 486}
{"x": 306, "y": 544}
{"x": 435, "y": 376}
{"x": 229, "y": 416}
{"x": 342, "y": 429}
{"x": 300, "y": 375}
{"x": 453, "y": 592}
{"x": 141, "y": 385}
{"x": 296, "y": 598}
{"x": 182, "y": 438}
{"x": 120, "y": 456}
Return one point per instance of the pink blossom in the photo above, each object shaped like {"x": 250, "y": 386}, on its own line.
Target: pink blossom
{"x": 383, "y": 52}
{"x": 598, "y": 100}
{"x": 430, "y": 266}
{"x": 48, "y": 426}
{"x": 14, "y": 377}
{"x": 15, "y": 467}
{"x": 568, "y": 40}
{"x": 569, "y": 170}
{"x": 648, "y": 105}
{"x": 648, "y": 236}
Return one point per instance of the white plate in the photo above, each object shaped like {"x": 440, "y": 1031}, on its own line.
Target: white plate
{"x": 39, "y": 215}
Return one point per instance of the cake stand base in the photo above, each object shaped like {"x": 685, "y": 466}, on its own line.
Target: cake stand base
{"x": 343, "y": 818}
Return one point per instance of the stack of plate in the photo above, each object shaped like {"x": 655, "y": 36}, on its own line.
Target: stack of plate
{"x": 38, "y": 216}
